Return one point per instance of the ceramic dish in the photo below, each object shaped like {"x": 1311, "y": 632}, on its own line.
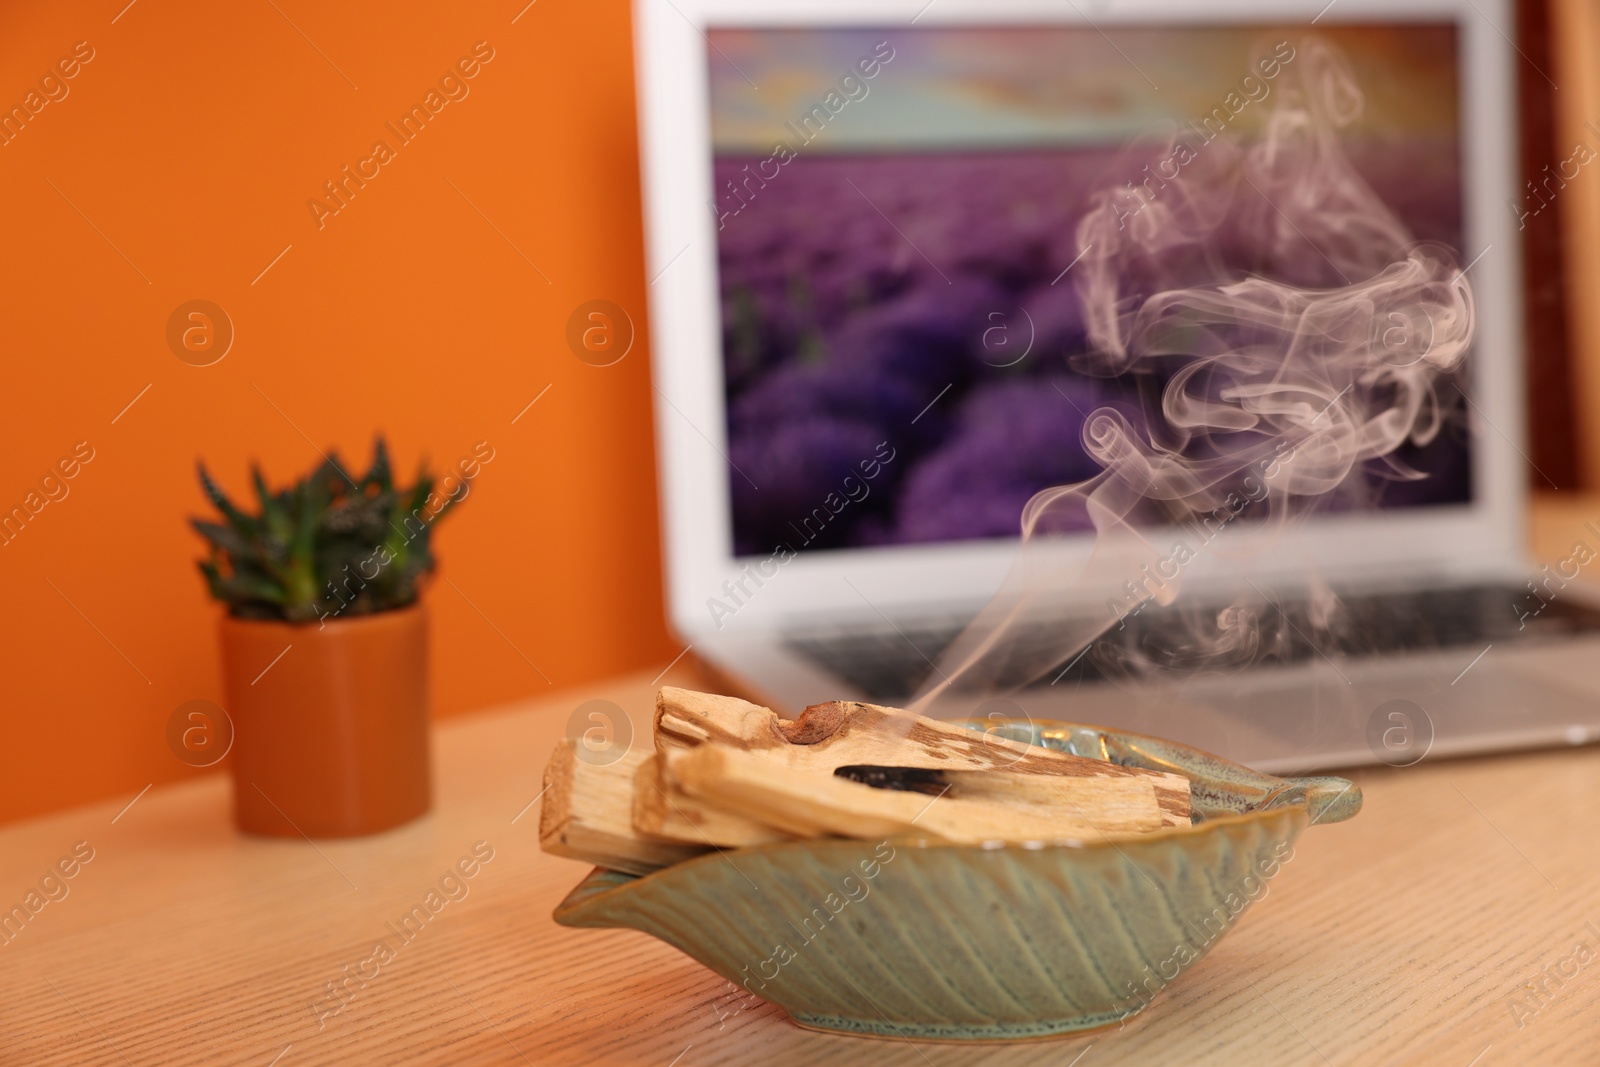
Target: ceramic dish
{"x": 931, "y": 940}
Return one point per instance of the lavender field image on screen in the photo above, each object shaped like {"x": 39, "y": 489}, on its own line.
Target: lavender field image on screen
{"x": 899, "y": 281}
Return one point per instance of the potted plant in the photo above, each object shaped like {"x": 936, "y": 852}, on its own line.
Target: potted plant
{"x": 324, "y": 647}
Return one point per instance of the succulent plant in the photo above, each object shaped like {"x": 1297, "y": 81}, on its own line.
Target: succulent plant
{"x": 329, "y": 545}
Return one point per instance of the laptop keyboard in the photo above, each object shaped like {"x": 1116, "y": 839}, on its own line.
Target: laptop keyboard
{"x": 892, "y": 662}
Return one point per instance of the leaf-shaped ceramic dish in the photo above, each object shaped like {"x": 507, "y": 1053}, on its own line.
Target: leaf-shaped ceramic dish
{"x": 933, "y": 940}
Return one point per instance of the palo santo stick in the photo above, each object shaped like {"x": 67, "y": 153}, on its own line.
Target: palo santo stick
{"x": 845, "y": 733}
{"x": 1043, "y": 793}
{"x": 661, "y": 810}
{"x": 809, "y": 804}
{"x": 588, "y": 814}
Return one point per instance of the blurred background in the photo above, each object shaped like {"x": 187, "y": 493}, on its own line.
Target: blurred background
{"x": 432, "y": 306}
{"x": 190, "y": 157}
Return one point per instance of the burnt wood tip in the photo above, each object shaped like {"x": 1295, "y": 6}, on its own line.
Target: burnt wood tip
{"x": 929, "y": 780}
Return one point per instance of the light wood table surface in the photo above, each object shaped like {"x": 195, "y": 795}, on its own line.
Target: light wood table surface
{"x": 1407, "y": 935}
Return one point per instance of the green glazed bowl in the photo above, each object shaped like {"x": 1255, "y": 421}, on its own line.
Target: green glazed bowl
{"x": 938, "y": 941}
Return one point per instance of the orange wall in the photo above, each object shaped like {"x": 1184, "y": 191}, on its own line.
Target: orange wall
{"x": 191, "y": 144}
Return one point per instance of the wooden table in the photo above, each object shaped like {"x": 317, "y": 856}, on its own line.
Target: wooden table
{"x": 1409, "y": 935}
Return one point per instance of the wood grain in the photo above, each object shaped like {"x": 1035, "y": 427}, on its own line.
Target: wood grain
{"x": 586, "y": 812}
{"x": 663, "y": 811}
{"x": 1405, "y": 936}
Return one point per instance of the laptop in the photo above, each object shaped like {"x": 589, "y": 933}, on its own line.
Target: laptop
{"x": 880, "y": 326}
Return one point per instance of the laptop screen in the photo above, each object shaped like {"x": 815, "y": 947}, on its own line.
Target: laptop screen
{"x": 908, "y": 321}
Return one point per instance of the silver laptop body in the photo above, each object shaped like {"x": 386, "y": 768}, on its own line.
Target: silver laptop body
{"x": 848, "y": 203}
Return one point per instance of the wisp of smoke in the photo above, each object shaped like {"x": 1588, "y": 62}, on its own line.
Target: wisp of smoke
{"x": 1286, "y": 385}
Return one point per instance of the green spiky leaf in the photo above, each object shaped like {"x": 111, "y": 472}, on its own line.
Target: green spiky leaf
{"x": 240, "y": 521}
{"x": 326, "y": 546}
{"x": 379, "y": 474}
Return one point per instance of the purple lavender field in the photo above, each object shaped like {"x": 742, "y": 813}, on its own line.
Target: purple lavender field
{"x": 888, "y": 297}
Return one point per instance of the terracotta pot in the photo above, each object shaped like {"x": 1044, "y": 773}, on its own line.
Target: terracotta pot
{"x": 330, "y": 736}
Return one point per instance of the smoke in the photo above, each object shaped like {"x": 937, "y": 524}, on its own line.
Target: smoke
{"x": 1295, "y": 336}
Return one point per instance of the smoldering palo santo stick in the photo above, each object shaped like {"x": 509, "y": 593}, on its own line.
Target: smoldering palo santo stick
{"x": 809, "y": 803}
{"x": 846, "y": 733}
